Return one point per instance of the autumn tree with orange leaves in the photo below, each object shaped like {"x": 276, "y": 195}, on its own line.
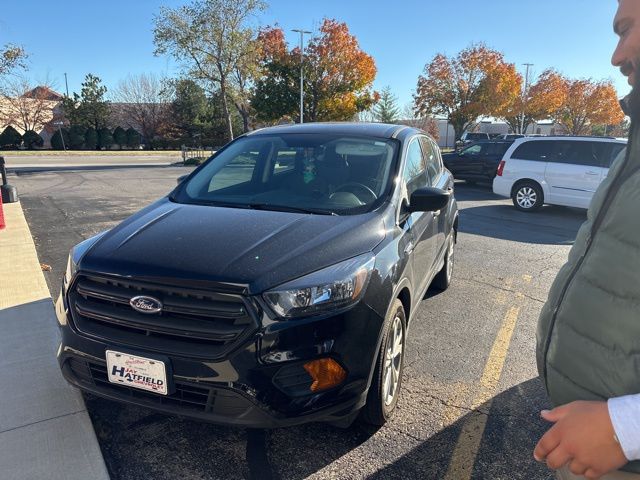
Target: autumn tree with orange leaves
{"x": 587, "y": 104}
{"x": 541, "y": 101}
{"x": 578, "y": 105}
{"x": 476, "y": 82}
{"x": 338, "y": 76}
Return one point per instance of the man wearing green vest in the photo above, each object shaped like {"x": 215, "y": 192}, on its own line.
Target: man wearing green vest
{"x": 588, "y": 339}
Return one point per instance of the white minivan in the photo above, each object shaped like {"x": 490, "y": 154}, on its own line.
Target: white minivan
{"x": 555, "y": 170}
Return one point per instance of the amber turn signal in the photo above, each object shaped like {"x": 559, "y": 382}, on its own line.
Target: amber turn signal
{"x": 326, "y": 373}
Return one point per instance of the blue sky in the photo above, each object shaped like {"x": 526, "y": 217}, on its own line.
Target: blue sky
{"x": 114, "y": 38}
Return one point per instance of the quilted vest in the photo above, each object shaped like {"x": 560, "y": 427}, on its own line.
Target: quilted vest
{"x": 588, "y": 337}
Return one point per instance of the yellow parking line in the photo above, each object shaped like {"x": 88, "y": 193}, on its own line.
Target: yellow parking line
{"x": 466, "y": 450}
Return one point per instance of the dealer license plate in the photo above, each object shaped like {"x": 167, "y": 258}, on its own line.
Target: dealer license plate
{"x": 138, "y": 372}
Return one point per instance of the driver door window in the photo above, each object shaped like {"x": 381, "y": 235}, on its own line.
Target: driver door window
{"x": 415, "y": 171}
{"x": 431, "y": 160}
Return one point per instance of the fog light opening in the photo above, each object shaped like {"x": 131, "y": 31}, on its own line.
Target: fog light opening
{"x": 326, "y": 373}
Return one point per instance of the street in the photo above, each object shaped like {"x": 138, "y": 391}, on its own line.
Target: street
{"x": 470, "y": 400}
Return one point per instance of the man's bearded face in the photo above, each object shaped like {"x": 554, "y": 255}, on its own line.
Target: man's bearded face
{"x": 627, "y": 26}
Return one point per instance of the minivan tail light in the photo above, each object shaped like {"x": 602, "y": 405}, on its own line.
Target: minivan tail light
{"x": 500, "y": 168}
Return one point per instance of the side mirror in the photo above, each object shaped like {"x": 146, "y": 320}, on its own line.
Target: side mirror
{"x": 428, "y": 199}
{"x": 181, "y": 178}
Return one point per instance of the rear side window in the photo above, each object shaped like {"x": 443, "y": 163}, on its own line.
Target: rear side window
{"x": 579, "y": 153}
{"x": 539, "y": 151}
{"x": 618, "y": 151}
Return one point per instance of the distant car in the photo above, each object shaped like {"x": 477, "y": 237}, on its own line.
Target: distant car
{"x": 510, "y": 136}
{"x": 555, "y": 170}
{"x": 468, "y": 138}
{"x": 478, "y": 162}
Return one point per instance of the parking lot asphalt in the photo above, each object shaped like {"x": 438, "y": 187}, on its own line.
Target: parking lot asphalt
{"x": 470, "y": 402}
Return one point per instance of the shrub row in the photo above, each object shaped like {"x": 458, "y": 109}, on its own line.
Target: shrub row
{"x": 10, "y": 138}
{"x": 77, "y": 137}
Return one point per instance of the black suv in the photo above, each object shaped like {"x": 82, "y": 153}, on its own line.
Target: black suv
{"x": 273, "y": 286}
{"x": 477, "y": 162}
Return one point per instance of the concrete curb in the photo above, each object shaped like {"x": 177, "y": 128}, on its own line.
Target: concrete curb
{"x": 45, "y": 431}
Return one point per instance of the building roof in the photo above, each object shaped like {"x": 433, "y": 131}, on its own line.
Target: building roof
{"x": 43, "y": 93}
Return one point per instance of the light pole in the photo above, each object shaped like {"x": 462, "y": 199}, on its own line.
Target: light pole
{"x": 301, "y": 32}
{"x": 59, "y": 125}
{"x": 526, "y": 93}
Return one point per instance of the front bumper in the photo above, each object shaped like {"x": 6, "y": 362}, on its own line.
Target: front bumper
{"x": 246, "y": 387}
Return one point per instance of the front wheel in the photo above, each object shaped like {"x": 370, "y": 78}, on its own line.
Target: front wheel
{"x": 387, "y": 377}
{"x": 527, "y": 197}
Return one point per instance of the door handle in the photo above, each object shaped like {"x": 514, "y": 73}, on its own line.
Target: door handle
{"x": 591, "y": 172}
{"x": 409, "y": 248}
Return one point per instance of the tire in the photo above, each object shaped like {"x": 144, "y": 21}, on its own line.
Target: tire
{"x": 383, "y": 396}
{"x": 527, "y": 196}
{"x": 443, "y": 279}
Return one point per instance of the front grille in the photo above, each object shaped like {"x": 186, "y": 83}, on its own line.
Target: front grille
{"x": 192, "y": 322}
{"x": 186, "y": 396}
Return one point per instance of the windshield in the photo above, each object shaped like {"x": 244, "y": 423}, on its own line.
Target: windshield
{"x": 314, "y": 173}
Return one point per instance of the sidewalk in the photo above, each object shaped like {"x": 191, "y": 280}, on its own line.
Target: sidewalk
{"x": 45, "y": 431}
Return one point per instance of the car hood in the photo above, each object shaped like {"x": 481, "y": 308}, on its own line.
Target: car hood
{"x": 209, "y": 247}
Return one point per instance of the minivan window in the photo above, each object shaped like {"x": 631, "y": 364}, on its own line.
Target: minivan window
{"x": 539, "y": 150}
{"x": 618, "y": 152}
{"x": 311, "y": 172}
{"x": 576, "y": 152}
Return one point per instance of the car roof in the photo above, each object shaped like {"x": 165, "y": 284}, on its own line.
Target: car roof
{"x": 380, "y": 130}
{"x": 491, "y": 141}
{"x": 582, "y": 138}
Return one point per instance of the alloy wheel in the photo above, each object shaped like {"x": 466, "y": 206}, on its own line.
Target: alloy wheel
{"x": 527, "y": 197}
{"x": 393, "y": 362}
{"x": 450, "y": 258}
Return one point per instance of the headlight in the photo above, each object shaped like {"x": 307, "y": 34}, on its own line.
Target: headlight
{"x": 335, "y": 287}
{"x": 72, "y": 267}
{"x": 76, "y": 254}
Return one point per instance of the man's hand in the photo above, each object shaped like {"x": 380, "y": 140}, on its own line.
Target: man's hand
{"x": 582, "y": 438}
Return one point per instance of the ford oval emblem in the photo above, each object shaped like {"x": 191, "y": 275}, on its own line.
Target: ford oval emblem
{"x": 144, "y": 304}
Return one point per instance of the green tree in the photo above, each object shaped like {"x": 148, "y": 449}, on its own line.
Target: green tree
{"x": 214, "y": 38}
{"x": 120, "y": 137}
{"x": 276, "y": 94}
{"x": 76, "y": 137}
{"x": 60, "y": 142}
{"x": 90, "y": 108}
{"x": 91, "y": 139}
{"x": 10, "y": 138}
{"x": 32, "y": 140}
{"x": 133, "y": 138}
{"x": 190, "y": 107}
{"x": 386, "y": 110}
{"x": 105, "y": 138}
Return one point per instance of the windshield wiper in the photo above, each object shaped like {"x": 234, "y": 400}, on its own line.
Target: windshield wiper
{"x": 288, "y": 208}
